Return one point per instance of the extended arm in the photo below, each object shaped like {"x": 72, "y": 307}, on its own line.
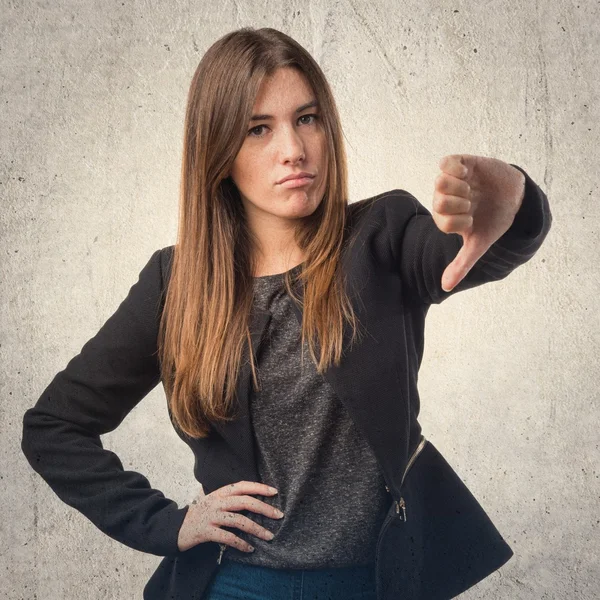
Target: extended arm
{"x": 422, "y": 251}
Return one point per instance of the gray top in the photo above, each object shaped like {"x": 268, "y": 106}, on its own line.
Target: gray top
{"x": 330, "y": 486}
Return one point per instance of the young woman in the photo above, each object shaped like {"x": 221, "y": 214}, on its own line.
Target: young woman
{"x": 273, "y": 263}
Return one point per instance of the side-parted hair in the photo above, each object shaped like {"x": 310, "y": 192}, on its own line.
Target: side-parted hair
{"x": 205, "y": 320}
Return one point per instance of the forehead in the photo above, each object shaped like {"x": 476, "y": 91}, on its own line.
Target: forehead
{"x": 284, "y": 88}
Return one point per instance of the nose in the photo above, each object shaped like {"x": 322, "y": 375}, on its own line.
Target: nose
{"x": 291, "y": 146}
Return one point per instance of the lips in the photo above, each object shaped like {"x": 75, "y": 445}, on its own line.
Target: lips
{"x": 296, "y": 176}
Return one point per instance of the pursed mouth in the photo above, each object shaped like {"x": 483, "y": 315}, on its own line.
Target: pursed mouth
{"x": 303, "y": 176}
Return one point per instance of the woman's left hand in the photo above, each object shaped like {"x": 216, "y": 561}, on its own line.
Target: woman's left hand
{"x": 478, "y": 198}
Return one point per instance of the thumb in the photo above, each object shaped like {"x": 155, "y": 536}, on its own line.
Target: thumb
{"x": 463, "y": 262}
{"x": 199, "y": 494}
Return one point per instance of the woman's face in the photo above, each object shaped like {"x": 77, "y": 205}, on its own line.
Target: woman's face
{"x": 282, "y": 141}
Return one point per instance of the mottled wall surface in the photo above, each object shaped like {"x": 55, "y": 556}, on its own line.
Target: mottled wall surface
{"x": 93, "y": 98}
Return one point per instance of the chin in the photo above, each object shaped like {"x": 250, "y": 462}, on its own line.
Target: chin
{"x": 307, "y": 203}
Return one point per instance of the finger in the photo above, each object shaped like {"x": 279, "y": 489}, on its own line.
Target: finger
{"x": 448, "y": 184}
{"x": 245, "y": 487}
{"x": 453, "y": 223}
{"x": 453, "y": 165}
{"x": 252, "y": 504}
{"x": 463, "y": 262}
{"x": 244, "y": 523}
{"x": 449, "y": 281}
{"x": 222, "y": 536}
{"x": 451, "y": 205}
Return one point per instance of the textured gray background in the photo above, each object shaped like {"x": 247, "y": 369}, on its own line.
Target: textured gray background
{"x": 93, "y": 97}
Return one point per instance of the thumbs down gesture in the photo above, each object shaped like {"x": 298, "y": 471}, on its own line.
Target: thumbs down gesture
{"x": 478, "y": 198}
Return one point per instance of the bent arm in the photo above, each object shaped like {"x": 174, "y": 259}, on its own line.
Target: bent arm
{"x": 114, "y": 370}
{"x": 422, "y": 251}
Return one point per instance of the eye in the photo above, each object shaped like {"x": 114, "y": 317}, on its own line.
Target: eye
{"x": 304, "y": 117}
{"x": 259, "y": 127}
{"x": 254, "y": 129}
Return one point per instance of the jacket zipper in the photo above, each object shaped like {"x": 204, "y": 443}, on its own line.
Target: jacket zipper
{"x": 400, "y": 503}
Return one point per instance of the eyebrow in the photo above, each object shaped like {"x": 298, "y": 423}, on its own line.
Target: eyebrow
{"x": 311, "y": 104}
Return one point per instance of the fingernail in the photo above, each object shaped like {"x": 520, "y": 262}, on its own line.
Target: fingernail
{"x": 274, "y": 490}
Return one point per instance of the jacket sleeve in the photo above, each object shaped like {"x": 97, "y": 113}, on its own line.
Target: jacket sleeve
{"x": 422, "y": 251}
{"x": 91, "y": 396}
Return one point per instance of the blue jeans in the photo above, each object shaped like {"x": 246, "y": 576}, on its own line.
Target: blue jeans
{"x": 240, "y": 581}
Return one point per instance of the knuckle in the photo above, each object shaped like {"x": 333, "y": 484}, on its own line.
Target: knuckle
{"x": 247, "y": 523}
{"x": 256, "y": 529}
{"x": 233, "y": 539}
{"x": 443, "y": 204}
{"x": 438, "y": 202}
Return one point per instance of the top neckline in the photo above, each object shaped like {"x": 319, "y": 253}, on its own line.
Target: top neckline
{"x": 278, "y": 275}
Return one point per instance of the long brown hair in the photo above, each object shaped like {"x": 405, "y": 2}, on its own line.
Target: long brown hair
{"x": 204, "y": 325}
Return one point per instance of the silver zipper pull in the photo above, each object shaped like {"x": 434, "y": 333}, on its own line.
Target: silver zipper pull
{"x": 222, "y": 546}
{"x": 387, "y": 488}
{"x": 402, "y": 505}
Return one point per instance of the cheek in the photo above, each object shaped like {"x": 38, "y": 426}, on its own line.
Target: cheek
{"x": 249, "y": 167}
{"x": 242, "y": 170}
{"x": 321, "y": 149}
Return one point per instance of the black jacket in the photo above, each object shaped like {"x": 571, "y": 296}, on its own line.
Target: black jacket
{"x": 436, "y": 541}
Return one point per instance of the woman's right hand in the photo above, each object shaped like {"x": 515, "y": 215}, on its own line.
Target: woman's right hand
{"x": 203, "y": 520}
